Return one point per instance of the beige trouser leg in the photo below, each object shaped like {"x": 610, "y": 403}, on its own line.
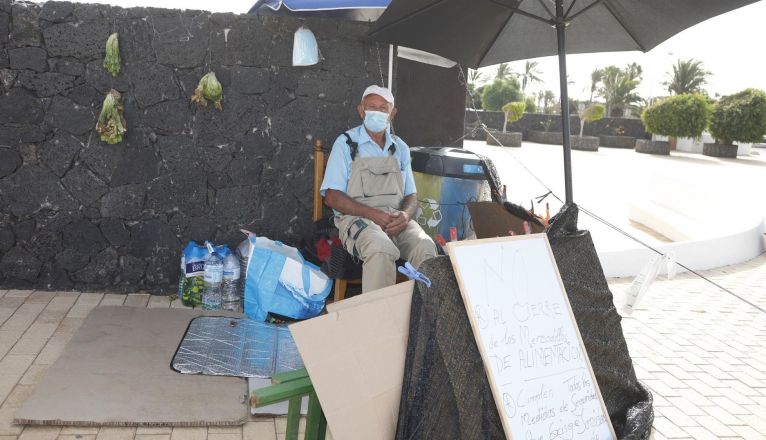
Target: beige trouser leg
{"x": 376, "y": 250}
{"x": 414, "y": 244}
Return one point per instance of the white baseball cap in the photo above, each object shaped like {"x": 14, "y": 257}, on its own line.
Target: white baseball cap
{"x": 380, "y": 91}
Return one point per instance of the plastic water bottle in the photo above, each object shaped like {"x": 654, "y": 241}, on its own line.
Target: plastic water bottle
{"x": 211, "y": 294}
{"x": 231, "y": 283}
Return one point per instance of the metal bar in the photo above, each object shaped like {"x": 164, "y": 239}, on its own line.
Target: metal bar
{"x": 516, "y": 10}
{"x": 550, "y": 13}
{"x": 391, "y": 67}
{"x": 583, "y": 10}
{"x": 569, "y": 9}
{"x": 562, "y": 45}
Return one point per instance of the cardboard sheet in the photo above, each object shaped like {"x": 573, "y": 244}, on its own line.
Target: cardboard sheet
{"x": 355, "y": 356}
{"x": 492, "y": 220}
{"x": 116, "y": 372}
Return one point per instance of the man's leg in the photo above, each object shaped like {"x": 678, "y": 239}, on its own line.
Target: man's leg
{"x": 414, "y": 244}
{"x": 369, "y": 243}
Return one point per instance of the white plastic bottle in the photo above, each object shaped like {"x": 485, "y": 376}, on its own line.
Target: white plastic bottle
{"x": 211, "y": 294}
{"x": 230, "y": 293}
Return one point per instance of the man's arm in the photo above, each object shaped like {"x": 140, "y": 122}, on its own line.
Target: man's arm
{"x": 401, "y": 218}
{"x": 341, "y": 202}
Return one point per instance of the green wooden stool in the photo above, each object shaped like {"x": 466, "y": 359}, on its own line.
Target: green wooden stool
{"x": 291, "y": 387}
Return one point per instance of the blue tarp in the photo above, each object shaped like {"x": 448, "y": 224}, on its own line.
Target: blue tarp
{"x": 324, "y": 5}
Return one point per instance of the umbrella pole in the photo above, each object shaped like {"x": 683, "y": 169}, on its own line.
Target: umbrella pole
{"x": 561, "y": 38}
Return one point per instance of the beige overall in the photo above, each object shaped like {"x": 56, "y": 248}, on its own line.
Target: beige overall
{"x": 377, "y": 182}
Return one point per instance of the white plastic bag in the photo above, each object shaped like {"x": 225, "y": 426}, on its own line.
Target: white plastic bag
{"x": 637, "y": 289}
{"x": 305, "y": 48}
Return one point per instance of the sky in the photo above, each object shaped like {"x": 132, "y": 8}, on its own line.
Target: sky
{"x": 730, "y": 46}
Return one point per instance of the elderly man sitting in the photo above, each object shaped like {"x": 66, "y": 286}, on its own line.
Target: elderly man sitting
{"x": 369, "y": 185}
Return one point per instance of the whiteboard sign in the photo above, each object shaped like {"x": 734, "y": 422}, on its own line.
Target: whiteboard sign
{"x": 535, "y": 360}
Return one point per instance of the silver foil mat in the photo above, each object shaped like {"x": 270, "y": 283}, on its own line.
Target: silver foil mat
{"x": 221, "y": 346}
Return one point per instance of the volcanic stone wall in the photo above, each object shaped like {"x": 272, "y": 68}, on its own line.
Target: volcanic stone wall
{"x": 78, "y": 213}
{"x": 537, "y": 121}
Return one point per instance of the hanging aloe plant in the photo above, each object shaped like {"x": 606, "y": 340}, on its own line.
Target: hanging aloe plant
{"x": 112, "y": 58}
{"x": 208, "y": 89}
{"x": 111, "y": 123}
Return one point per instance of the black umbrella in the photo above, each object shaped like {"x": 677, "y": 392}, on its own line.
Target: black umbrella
{"x": 480, "y": 33}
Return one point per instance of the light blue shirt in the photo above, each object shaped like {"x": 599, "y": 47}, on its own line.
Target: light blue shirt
{"x": 338, "y": 171}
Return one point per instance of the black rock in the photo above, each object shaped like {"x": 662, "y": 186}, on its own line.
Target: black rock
{"x": 138, "y": 165}
{"x": 181, "y": 40}
{"x": 250, "y": 80}
{"x": 45, "y": 84}
{"x": 24, "y": 230}
{"x": 72, "y": 260}
{"x": 83, "y": 236}
{"x": 56, "y": 12}
{"x": 83, "y": 40}
{"x": 103, "y": 81}
{"x": 68, "y": 66}
{"x": 44, "y": 245}
{"x": 124, "y": 202}
{"x": 169, "y": 117}
{"x": 53, "y": 277}
{"x": 5, "y": 24}
{"x": 59, "y": 152}
{"x": 246, "y": 33}
{"x": 67, "y": 115}
{"x": 86, "y": 96}
{"x": 84, "y": 185}
{"x": 32, "y": 189}
{"x": 33, "y": 58}
{"x": 10, "y": 161}
{"x": 184, "y": 192}
{"x": 100, "y": 270}
{"x": 152, "y": 238}
{"x": 7, "y": 239}
{"x": 131, "y": 270}
{"x": 152, "y": 83}
{"x": 115, "y": 231}
{"x": 15, "y": 134}
{"x": 20, "y": 106}
{"x": 21, "y": 264}
{"x": 24, "y": 27}
{"x": 101, "y": 158}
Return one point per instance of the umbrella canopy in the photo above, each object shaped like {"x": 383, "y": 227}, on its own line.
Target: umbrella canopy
{"x": 480, "y": 33}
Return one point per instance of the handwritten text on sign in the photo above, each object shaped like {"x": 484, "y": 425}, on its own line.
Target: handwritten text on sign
{"x": 537, "y": 365}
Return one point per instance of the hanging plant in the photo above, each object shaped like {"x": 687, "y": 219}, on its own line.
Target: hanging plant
{"x": 208, "y": 89}
{"x": 112, "y": 58}
{"x": 111, "y": 123}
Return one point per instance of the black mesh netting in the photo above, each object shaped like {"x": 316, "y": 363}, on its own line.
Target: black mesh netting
{"x": 446, "y": 394}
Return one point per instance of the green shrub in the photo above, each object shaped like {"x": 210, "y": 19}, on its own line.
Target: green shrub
{"x": 531, "y": 104}
{"x": 678, "y": 116}
{"x": 496, "y": 95}
{"x": 591, "y": 113}
{"x": 740, "y": 117}
{"x": 513, "y": 111}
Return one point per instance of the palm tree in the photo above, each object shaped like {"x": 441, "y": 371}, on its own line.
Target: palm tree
{"x": 618, "y": 87}
{"x": 474, "y": 76}
{"x": 530, "y": 75}
{"x": 688, "y": 77}
{"x": 503, "y": 72}
{"x": 595, "y": 77}
{"x": 548, "y": 98}
{"x": 634, "y": 71}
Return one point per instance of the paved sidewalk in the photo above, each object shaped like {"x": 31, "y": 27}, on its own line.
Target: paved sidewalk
{"x": 700, "y": 350}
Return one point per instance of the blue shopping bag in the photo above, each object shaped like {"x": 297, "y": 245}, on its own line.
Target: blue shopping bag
{"x": 278, "y": 280}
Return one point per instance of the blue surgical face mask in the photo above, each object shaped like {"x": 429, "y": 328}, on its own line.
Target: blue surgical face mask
{"x": 375, "y": 121}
